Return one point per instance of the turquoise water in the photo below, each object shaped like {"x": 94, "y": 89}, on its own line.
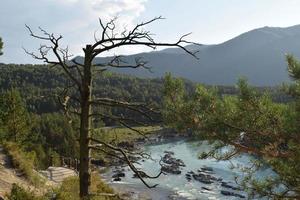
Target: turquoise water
{"x": 188, "y": 152}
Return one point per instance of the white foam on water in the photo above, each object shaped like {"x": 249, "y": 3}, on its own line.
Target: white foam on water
{"x": 188, "y": 152}
{"x": 185, "y": 194}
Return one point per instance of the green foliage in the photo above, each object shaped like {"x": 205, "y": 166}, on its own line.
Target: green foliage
{"x": 59, "y": 134}
{"x": 207, "y": 110}
{"x": 174, "y": 98}
{"x": 250, "y": 122}
{"x": 19, "y": 193}
{"x": 70, "y": 189}
{"x": 116, "y": 135}
{"x": 293, "y": 67}
{"x": 14, "y": 117}
{"x": 119, "y": 134}
{"x": 36, "y": 82}
{"x": 46, "y": 135}
{"x": 24, "y": 162}
{"x": 52, "y": 135}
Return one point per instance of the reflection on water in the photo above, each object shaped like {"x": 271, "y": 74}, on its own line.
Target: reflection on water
{"x": 188, "y": 152}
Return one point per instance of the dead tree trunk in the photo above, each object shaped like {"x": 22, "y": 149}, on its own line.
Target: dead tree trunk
{"x": 81, "y": 77}
{"x": 85, "y": 125}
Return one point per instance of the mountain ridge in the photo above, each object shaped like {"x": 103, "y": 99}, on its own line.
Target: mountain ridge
{"x": 258, "y": 55}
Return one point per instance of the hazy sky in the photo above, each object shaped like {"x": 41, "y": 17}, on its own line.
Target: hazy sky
{"x": 211, "y": 21}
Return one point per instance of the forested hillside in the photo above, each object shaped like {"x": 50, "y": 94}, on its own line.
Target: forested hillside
{"x": 45, "y": 130}
{"x": 38, "y": 85}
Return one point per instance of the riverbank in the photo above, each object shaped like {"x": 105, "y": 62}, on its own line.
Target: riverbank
{"x": 139, "y": 192}
{"x": 135, "y": 141}
{"x": 131, "y": 140}
{"x": 198, "y": 179}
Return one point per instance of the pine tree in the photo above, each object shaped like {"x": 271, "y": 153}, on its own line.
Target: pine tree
{"x": 15, "y": 117}
{"x": 252, "y": 123}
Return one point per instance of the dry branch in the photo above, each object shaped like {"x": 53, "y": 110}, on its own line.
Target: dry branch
{"x": 81, "y": 74}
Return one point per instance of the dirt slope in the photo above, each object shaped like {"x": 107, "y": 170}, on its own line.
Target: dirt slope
{"x": 8, "y": 175}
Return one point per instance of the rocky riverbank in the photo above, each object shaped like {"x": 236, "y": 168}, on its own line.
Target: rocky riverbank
{"x": 119, "y": 176}
{"x": 163, "y": 135}
{"x": 204, "y": 175}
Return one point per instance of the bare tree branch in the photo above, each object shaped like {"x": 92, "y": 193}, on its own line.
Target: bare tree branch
{"x": 61, "y": 54}
{"x": 138, "y": 173}
{"x": 81, "y": 74}
{"x": 134, "y": 37}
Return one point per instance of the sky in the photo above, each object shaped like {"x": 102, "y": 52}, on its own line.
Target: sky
{"x": 210, "y": 21}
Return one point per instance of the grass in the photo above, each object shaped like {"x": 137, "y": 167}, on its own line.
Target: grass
{"x": 24, "y": 162}
{"x": 116, "y": 135}
{"x": 124, "y": 134}
{"x": 70, "y": 189}
{"x": 19, "y": 193}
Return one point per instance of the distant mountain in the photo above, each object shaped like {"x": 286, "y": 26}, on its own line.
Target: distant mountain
{"x": 258, "y": 55}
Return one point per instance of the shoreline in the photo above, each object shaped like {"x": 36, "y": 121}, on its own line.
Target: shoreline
{"x": 133, "y": 191}
{"x": 140, "y": 192}
{"x": 182, "y": 188}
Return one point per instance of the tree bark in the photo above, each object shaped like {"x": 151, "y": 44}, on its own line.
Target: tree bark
{"x": 85, "y": 125}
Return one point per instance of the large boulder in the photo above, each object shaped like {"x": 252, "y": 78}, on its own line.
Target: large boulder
{"x": 171, "y": 169}
{"x": 171, "y": 165}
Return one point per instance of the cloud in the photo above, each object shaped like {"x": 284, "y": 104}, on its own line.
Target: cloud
{"x": 76, "y": 20}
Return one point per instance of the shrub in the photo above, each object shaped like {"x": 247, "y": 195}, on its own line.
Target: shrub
{"x": 19, "y": 193}
{"x": 70, "y": 189}
{"x": 23, "y": 161}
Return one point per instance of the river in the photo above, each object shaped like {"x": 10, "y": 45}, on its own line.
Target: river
{"x": 178, "y": 185}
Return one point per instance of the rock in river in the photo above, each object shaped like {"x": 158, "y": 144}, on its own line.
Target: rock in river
{"x": 171, "y": 165}
{"x": 227, "y": 193}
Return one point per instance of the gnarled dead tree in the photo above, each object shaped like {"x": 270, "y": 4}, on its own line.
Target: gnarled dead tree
{"x": 81, "y": 75}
